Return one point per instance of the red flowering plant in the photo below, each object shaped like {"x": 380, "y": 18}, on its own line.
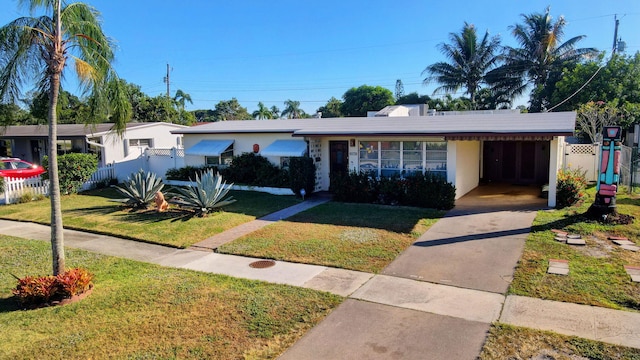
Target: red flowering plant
{"x": 570, "y": 187}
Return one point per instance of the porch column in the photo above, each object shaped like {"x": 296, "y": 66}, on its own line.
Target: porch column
{"x": 555, "y": 163}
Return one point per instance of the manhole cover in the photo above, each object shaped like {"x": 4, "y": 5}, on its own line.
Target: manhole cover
{"x": 261, "y": 264}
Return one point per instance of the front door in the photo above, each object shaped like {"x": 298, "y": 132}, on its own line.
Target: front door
{"x": 339, "y": 154}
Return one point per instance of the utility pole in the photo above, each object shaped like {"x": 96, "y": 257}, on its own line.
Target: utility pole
{"x": 615, "y": 34}
{"x": 166, "y": 80}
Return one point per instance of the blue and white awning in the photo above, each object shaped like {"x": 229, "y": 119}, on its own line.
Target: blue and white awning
{"x": 209, "y": 148}
{"x": 285, "y": 148}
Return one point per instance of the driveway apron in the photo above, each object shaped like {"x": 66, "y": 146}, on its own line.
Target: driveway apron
{"x": 475, "y": 246}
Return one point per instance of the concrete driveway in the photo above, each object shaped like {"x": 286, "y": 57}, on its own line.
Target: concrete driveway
{"x": 477, "y": 244}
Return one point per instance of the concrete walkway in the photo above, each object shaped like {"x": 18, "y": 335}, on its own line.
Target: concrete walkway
{"x": 408, "y": 315}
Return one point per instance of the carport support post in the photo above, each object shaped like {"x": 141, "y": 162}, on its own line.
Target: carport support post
{"x": 555, "y": 161}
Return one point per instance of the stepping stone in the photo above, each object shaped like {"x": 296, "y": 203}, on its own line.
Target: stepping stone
{"x": 560, "y": 238}
{"x": 575, "y": 241}
{"x": 558, "y": 267}
{"x": 559, "y": 232}
{"x": 614, "y": 238}
{"x": 623, "y": 242}
{"x": 573, "y": 236}
{"x": 630, "y": 247}
{"x": 634, "y": 272}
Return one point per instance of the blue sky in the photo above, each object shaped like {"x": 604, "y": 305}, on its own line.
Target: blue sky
{"x": 309, "y": 51}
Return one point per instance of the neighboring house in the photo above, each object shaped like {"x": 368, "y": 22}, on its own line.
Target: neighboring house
{"x": 465, "y": 148}
{"x": 29, "y": 142}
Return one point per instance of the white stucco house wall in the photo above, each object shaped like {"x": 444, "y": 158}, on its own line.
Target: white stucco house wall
{"x": 465, "y": 148}
{"x": 29, "y": 142}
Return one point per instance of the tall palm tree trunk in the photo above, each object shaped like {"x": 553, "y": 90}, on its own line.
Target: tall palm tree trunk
{"x": 55, "y": 67}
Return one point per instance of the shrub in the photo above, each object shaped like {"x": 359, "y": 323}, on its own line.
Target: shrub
{"x": 255, "y": 170}
{"x": 74, "y": 169}
{"x": 570, "y": 186}
{"x": 206, "y": 195}
{"x": 36, "y": 291}
{"x": 187, "y": 173}
{"x": 29, "y": 196}
{"x": 356, "y": 187}
{"x": 302, "y": 174}
{"x": 422, "y": 190}
{"x": 139, "y": 189}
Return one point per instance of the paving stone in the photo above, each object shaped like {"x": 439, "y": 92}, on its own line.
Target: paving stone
{"x": 634, "y": 272}
{"x": 630, "y": 247}
{"x": 572, "y": 241}
{"x": 623, "y": 242}
{"x": 617, "y": 238}
{"x": 560, "y": 238}
{"x": 558, "y": 267}
{"x": 559, "y": 232}
{"x": 573, "y": 236}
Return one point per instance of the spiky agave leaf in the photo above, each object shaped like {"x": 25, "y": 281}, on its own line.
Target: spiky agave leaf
{"x": 139, "y": 189}
{"x": 208, "y": 193}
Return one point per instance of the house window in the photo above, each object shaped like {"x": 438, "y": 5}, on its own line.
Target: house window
{"x": 223, "y": 160}
{"x": 140, "y": 142}
{"x": 63, "y": 146}
{"x": 389, "y": 158}
{"x": 284, "y": 162}
{"x": 368, "y": 157}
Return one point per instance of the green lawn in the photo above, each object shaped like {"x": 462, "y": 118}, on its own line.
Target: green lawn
{"x": 511, "y": 342}
{"x": 92, "y": 211}
{"x": 360, "y": 237}
{"x": 144, "y": 311}
{"x": 597, "y": 276}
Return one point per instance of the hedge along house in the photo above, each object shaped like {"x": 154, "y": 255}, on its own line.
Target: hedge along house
{"x": 466, "y": 148}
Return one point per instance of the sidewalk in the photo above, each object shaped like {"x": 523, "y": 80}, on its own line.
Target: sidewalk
{"x": 385, "y": 316}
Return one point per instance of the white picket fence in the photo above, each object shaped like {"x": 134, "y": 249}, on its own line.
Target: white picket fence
{"x": 101, "y": 175}
{"x": 14, "y": 188}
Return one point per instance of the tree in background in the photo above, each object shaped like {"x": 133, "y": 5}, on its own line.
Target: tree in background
{"x": 292, "y": 110}
{"x": 38, "y": 48}
{"x": 184, "y": 117}
{"x": 357, "y": 101}
{"x": 275, "y": 112}
{"x": 469, "y": 61}
{"x": 617, "y": 82}
{"x": 12, "y": 114}
{"x": 594, "y": 116}
{"x": 332, "y": 109}
{"x": 262, "y": 113}
{"x": 399, "y": 89}
{"x": 540, "y": 59}
{"x": 181, "y": 98}
{"x": 230, "y": 110}
{"x": 71, "y": 109}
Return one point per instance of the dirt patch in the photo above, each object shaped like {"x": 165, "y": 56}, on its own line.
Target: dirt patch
{"x": 597, "y": 246}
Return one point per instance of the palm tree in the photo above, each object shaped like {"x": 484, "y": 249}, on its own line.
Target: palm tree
{"x": 181, "y": 98}
{"x": 275, "y": 112}
{"x": 262, "y": 113}
{"x": 38, "y": 48}
{"x": 292, "y": 110}
{"x": 470, "y": 59}
{"x": 540, "y": 58}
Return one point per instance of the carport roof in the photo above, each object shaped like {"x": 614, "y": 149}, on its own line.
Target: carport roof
{"x": 461, "y": 126}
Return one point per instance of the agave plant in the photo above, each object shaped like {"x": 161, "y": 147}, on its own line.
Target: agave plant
{"x": 139, "y": 189}
{"x": 206, "y": 195}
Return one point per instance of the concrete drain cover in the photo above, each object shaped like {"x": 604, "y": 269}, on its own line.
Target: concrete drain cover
{"x": 262, "y": 264}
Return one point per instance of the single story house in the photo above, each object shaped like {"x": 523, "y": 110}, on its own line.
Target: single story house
{"x": 467, "y": 149}
{"x": 29, "y": 142}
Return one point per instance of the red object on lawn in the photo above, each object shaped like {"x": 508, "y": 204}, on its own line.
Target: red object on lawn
{"x": 17, "y": 168}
